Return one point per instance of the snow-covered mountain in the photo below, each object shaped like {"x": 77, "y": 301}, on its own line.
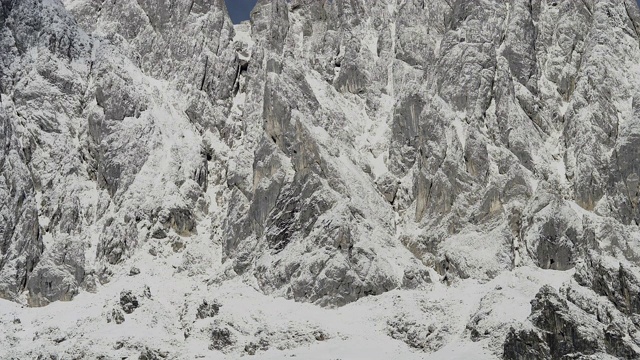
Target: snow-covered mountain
{"x": 335, "y": 179}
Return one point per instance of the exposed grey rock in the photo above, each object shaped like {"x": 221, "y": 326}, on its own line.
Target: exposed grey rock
{"x": 568, "y": 327}
{"x": 414, "y": 279}
{"x": 554, "y": 236}
{"x": 146, "y": 292}
{"x": 221, "y": 338}
{"x": 181, "y": 221}
{"x": 251, "y": 348}
{"x": 128, "y": 301}
{"x": 177, "y": 244}
{"x": 117, "y": 316}
{"x": 407, "y": 136}
{"x": 207, "y": 309}
{"x": 158, "y": 232}
{"x": 150, "y": 354}
{"x": 424, "y": 337}
{"x": 320, "y": 335}
{"x": 388, "y": 186}
{"x": 560, "y": 333}
{"x": 327, "y": 151}
{"x": 525, "y": 345}
{"x": 116, "y": 240}
{"x": 59, "y": 275}
{"x": 134, "y": 271}
{"x": 619, "y": 283}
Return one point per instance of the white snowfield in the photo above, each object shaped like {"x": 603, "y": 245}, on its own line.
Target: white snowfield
{"x": 333, "y": 180}
{"x": 437, "y": 317}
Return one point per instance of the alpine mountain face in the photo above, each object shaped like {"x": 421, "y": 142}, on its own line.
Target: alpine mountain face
{"x": 455, "y": 177}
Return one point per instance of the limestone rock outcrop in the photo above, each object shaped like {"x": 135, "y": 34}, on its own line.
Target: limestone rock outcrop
{"x": 327, "y": 151}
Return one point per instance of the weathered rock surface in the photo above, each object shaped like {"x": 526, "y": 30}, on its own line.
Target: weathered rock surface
{"x": 128, "y": 302}
{"x": 590, "y": 317}
{"x": 327, "y": 151}
{"x": 207, "y": 309}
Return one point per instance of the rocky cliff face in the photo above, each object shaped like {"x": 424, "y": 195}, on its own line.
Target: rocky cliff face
{"x": 326, "y": 152}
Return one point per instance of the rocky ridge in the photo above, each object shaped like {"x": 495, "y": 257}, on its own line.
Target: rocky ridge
{"x": 327, "y": 152}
